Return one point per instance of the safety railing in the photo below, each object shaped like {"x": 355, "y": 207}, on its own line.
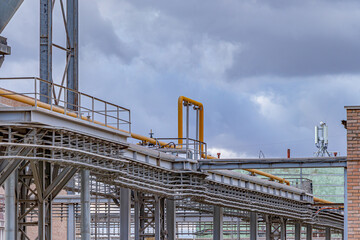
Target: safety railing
{"x": 43, "y": 94}
{"x": 192, "y": 148}
{"x": 302, "y": 183}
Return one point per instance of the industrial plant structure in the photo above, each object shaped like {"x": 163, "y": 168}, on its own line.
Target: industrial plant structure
{"x": 69, "y": 170}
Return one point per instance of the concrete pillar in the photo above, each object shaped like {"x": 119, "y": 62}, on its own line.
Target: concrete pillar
{"x": 171, "y": 219}
{"x": 297, "y": 231}
{"x": 253, "y": 226}
{"x": 218, "y": 223}
{"x": 125, "y": 211}
{"x": 327, "y": 233}
{"x": 309, "y": 232}
{"x": 10, "y": 208}
{"x": 85, "y": 205}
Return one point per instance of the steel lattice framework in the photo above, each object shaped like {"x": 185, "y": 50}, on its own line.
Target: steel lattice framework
{"x": 152, "y": 176}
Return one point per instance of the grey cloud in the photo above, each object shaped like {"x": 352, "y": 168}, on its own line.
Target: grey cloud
{"x": 281, "y": 38}
{"x": 98, "y": 33}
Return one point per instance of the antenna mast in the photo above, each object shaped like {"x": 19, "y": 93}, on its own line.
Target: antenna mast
{"x": 321, "y": 140}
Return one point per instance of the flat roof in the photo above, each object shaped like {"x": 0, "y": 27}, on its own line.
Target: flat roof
{"x": 352, "y": 107}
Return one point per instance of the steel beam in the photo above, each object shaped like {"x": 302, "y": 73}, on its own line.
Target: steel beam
{"x": 253, "y": 226}
{"x": 10, "y": 208}
{"x": 46, "y": 7}
{"x": 125, "y": 211}
{"x": 59, "y": 182}
{"x": 72, "y": 45}
{"x": 10, "y": 168}
{"x": 7, "y": 11}
{"x": 273, "y": 163}
{"x": 309, "y": 232}
{"x": 218, "y": 223}
{"x": 85, "y": 205}
{"x": 171, "y": 219}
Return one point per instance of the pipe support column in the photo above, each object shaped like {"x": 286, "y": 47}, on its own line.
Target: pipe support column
{"x": 253, "y": 226}
{"x": 136, "y": 216}
{"x": 10, "y": 208}
{"x": 72, "y": 55}
{"x": 297, "y": 231}
{"x": 71, "y": 222}
{"x": 283, "y": 228}
{"x": 309, "y": 232}
{"x": 125, "y": 211}
{"x": 171, "y": 219}
{"x": 327, "y": 233}
{"x": 268, "y": 228}
{"x": 46, "y": 7}
{"x": 218, "y": 223}
{"x": 85, "y": 205}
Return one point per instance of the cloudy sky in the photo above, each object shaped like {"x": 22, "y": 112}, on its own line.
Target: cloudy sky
{"x": 266, "y": 71}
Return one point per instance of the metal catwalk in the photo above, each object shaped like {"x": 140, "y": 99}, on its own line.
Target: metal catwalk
{"x": 123, "y": 190}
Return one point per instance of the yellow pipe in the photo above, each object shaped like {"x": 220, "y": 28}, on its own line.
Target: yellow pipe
{"x": 201, "y": 136}
{"x": 319, "y": 200}
{"x": 180, "y": 119}
{"x": 265, "y": 174}
{"x": 30, "y": 101}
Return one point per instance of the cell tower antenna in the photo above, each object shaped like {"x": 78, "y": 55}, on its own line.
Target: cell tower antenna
{"x": 321, "y": 140}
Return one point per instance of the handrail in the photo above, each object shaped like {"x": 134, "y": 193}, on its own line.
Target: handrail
{"x": 33, "y": 102}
